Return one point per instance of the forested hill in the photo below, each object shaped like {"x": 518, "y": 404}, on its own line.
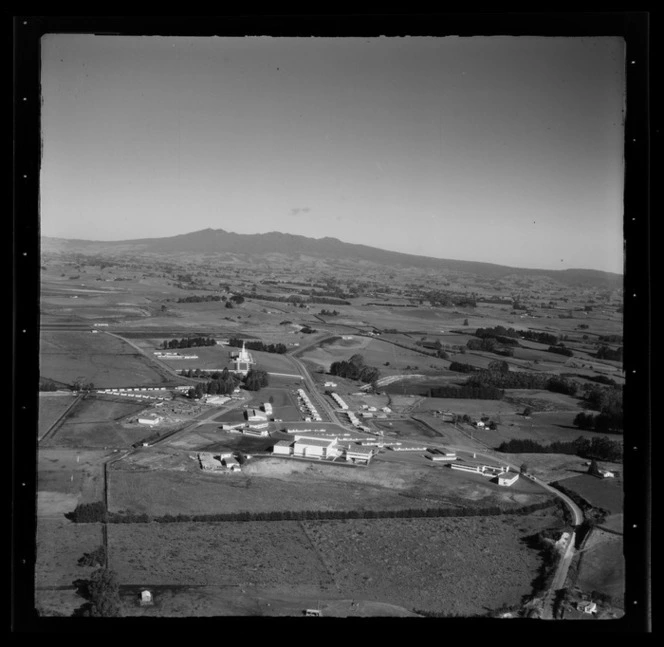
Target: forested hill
{"x": 220, "y": 241}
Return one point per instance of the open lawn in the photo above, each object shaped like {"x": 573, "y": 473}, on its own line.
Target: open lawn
{"x": 104, "y": 360}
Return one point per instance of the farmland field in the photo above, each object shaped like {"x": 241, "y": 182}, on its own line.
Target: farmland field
{"x": 215, "y": 553}
{"x": 101, "y": 359}
{"x": 424, "y": 563}
{"x": 414, "y": 564}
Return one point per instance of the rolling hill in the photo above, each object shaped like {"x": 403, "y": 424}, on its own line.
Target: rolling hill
{"x": 219, "y": 241}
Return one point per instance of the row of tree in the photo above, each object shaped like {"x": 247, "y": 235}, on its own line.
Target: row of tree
{"x": 188, "y": 342}
{"x": 466, "y": 392}
{"x": 599, "y": 447}
{"x": 280, "y": 349}
{"x": 523, "y": 380}
{"x": 313, "y": 515}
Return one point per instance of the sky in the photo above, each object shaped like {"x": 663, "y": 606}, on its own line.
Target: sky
{"x": 499, "y": 149}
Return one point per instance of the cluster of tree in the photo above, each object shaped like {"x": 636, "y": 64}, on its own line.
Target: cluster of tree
{"x": 255, "y": 379}
{"x": 600, "y": 379}
{"x": 103, "y": 594}
{"x": 604, "y": 352}
{"x": 540, "y": 337}
{"x": 493, "y": 345}
{"x": 329, "y": 313}
{"x": 96, "y": 557}
{"x": 308, "y": 330}
{"x": 355, "y": 369}
{"x": 188, "y": 342}
{"x": 460, "y": 367}
{"x": 258, "y": 345}
{"x": 297, "y": 515}
{"x": 285, "y": 322}
{"x": 466, "y": 392}
{"x": 88, "y": 513}
{"x": 47, "y": 385}
{"x": 611, "y": 339}
{"x": 609, "y": 402}
{"x": 201, "y": 299}
{"x": 600, "y": 448}
{"x": 560, "y": 350}
{"x": 221, "y": 383}
{"x": 602, "y": 423}
{"x": 80, "y": 385}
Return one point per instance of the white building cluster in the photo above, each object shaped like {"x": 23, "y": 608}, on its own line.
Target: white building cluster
{"x": 323, "y": 449}
{"x": 337, "y": 398}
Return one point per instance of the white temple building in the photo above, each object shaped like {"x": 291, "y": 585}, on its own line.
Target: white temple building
{"x": 242, "y": 361}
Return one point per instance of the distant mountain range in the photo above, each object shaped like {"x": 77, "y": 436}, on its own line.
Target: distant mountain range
{"x": 209, "y": 241}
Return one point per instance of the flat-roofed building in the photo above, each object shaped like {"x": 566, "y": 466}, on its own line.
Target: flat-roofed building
{"x": 306, "y": 446}
{"x": 359, "y": 454}
{"x": 283, "y": 448}
{"x": 255, "y": 415}
{"x": 508, "y": 478}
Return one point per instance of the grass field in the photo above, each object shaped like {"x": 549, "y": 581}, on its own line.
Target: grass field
{"x": 96, "y": 422}
{"x": 376, "y": 353}
{"x": 159, "y": 484}
{"x": 208, "y": 553}
{"x": 425, "y": 563}
{"x": 60, "y": 544}
{"x": 416, "y": 563}
{"x": 51, "y": 407}
{"x": 601, "y": 493}
{"x": 66, "y": 477}
{"x": 601, "y": 566}
{"x": 101, "y": 359}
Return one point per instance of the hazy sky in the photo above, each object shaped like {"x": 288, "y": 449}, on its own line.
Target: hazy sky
{"x": 499, "y": 149}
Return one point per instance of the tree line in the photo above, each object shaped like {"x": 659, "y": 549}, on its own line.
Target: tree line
{"x": 313, "y": 515}
{"x": 600, "y": 448}
{"x": 188, "y": 342}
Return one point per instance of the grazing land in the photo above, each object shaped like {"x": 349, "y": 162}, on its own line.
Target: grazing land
{"x": 102, "y": 359}
{"x": 96, "y": 422}
{"x": 601, "y": 566}
{"x": 600, "y": 493}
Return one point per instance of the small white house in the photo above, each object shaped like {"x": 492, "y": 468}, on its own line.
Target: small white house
{"x": 146, "y": 597}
